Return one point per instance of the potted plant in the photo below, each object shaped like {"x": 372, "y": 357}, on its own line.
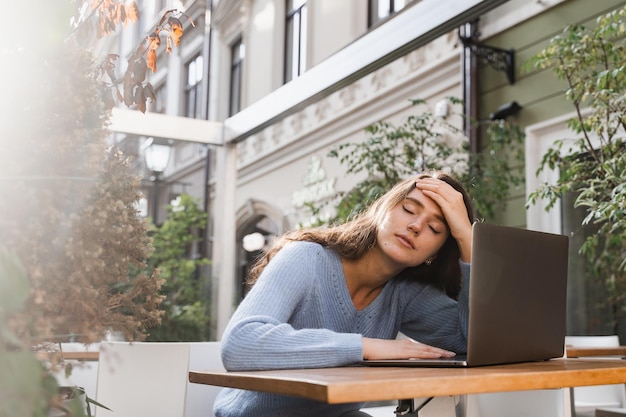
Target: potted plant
{"x": 72, "y": 401}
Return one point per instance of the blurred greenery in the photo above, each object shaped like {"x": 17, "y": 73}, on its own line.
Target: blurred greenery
{"x": 186, "y": 308}
{"x": 424, "y": 142}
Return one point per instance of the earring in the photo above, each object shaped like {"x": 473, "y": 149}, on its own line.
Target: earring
{"x": 428, "y": 261}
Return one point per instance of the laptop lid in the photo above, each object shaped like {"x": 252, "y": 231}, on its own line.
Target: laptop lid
{"x": 518, "y": 291}
{"x": 518, "y": 287}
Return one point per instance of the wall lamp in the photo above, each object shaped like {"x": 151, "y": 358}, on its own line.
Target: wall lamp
{"x": 157, "y": 157}
{"x": 499, "y": 59}
{"x": 253, "y": 242}
{"x": 505, "y": 110}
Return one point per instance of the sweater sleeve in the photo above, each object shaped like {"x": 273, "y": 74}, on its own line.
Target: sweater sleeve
{"x": 435, "y": 319}
{"x": 260, "y": 336}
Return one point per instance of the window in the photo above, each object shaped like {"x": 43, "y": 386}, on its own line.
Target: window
{"x": 193, "y": 88}
{"x": 295, "y": 39}
{"x": 382, "y": 9}
{"x": 236, "y": 66}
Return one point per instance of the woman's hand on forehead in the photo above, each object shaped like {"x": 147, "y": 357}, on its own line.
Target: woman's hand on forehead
{"x": 452, "y": 206}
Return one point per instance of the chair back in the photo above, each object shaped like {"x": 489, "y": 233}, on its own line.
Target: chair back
{"x": 587, "y": 399}
{"x": 200, "y": 398}
{"x": 152, "y": 379}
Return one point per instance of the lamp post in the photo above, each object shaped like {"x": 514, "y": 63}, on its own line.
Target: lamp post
{"x": 157, "y": 157}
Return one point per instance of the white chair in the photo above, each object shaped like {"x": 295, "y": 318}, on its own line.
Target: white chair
{"x": 585, "y": 400}
{"x": 151, "y": 379}
{"x": 200, "y": 398}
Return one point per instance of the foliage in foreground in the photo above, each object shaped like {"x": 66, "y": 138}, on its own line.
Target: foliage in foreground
{"x": 77, "y": 267}
{"x": 69, "y": 214}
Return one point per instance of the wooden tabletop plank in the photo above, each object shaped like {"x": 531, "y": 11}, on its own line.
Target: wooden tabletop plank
{"x": 576, "y": 352}
{"x": 355, "y": 384}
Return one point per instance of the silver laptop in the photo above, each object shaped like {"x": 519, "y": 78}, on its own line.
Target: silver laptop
{"x": 518, "y": 286}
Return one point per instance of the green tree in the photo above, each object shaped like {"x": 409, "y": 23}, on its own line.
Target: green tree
{"x": 186, "y": 311}
{"x": 423, "y": 142}
{"x": 590, "y": 59}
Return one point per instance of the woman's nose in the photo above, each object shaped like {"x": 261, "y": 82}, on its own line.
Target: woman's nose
{"x": 415, "y": 226}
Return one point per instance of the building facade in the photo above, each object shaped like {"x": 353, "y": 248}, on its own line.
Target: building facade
{"x": 290, "y": 79}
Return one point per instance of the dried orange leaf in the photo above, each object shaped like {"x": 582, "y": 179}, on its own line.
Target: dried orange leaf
{"x": 121, "y": 14}
{"x": 152, "y": 58}
{"x": 132, "y": 12}
{"x": 154, "y": 41}
{"x": 174, "y": 22}
{"x": 177, "y": 29}
{"x": 117, "y": 16}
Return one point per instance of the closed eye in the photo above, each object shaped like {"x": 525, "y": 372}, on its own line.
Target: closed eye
{"x": 435, "y": 230}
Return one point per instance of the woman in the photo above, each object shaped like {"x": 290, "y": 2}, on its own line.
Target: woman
{"x": 334, "y": 296}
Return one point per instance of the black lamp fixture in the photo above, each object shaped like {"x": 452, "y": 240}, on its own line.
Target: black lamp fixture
{"x": 505, "y": 110}
{"x": 499, "y": 59}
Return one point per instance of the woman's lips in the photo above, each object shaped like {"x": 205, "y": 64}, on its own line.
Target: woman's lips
{"x": 406, "y": 241}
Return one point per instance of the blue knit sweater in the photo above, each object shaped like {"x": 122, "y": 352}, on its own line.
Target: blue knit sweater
{"x": 299, "y": 315}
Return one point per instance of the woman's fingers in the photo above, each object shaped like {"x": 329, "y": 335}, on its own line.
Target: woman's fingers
{"x": 454, "y": 210}
{"x": 401, "y": 349}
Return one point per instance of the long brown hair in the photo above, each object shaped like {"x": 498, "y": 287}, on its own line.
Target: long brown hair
{"x": 354, "y": 238}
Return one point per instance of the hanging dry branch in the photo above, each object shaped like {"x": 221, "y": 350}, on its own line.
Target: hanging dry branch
{"x": 136, "y": 89}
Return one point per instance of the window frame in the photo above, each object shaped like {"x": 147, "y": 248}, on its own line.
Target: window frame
{"x": 374, "y": 17}
{"x": 195, "y": 88}
{"x": 295, "y": 39}
{"x": 237, "y": 57}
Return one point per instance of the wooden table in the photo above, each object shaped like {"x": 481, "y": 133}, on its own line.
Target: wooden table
{"x": 577, "y": 352}
{"x": 363, "y": 384}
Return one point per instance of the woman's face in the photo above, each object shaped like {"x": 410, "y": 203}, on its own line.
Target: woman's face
{"x": 413, "y": 231}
